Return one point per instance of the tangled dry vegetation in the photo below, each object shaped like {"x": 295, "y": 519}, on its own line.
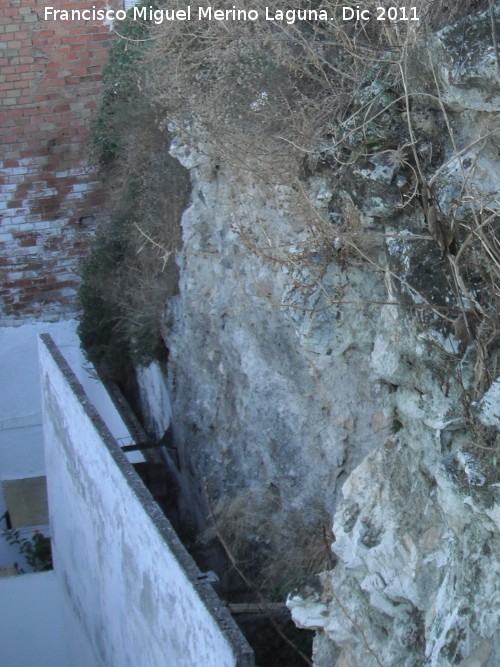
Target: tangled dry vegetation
{"x": 286, "y": 101}
{"x": 131, "y": 271}
{"x": 268, "y": 95}
{"x": 270, "y": 543}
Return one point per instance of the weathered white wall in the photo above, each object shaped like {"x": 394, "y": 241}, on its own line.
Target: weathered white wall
{"x": 21, "y": 440}
{"x": 21, "y": 435}
{"x": 139, "y": 595}
{"x": 38, "y": 626}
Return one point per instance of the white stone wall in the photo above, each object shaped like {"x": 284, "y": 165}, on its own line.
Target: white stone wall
{"x": 21, "y": 439}
{"x": 141, "y": 599}
{"x": 38, "y": 626}
{"x": 21, "y": 436}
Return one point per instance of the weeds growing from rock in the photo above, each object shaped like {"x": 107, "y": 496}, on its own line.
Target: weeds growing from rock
{"x": 131, "y": 271}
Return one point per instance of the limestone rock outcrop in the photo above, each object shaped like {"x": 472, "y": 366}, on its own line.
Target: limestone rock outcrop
{"x": 346, "y": 369}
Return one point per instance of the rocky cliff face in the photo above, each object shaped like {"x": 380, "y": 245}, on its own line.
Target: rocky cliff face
{"x": 338, "y": 369}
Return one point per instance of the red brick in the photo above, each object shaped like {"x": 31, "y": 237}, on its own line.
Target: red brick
{"x": 28, "y": 241}
{"x": 50, "y": 80}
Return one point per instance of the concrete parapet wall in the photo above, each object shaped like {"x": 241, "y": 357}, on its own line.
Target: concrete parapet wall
{"x": 38, "y": 626}
{"x": 140, "y": 597}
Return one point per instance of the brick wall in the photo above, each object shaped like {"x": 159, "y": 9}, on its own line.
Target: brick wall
{"x": 50, "y": 76}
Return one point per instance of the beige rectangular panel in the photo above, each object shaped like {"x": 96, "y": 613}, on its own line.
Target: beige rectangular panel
{"x": 26, "y": 500}
{"x": 8, "y": 572}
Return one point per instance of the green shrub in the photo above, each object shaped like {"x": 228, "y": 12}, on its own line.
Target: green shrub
{"x": 37, "y": 550}
{"x": 121, "y": 99}
{"x": 126, "y": 281}
{"x": 130, "y": 271}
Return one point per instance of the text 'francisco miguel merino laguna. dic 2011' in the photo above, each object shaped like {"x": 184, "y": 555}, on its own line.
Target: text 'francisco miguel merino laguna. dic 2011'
{"x": 207, "y": 13}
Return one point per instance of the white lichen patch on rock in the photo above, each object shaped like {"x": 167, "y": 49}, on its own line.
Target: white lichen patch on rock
{"x": 488, "y": 408}
{"x": 468, "y": 64}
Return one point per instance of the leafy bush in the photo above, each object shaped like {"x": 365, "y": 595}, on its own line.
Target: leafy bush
{"x": 36, "y": 550}
{"x": 131, "y": 271}
{"x": 122, "y": 103}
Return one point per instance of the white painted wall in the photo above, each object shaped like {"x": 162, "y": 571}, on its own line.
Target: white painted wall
{"x": 21, "y": 432}
{"x": 112, "y": 547}
{"x": 21, "y": 437}
{"x": 38, "y": 627}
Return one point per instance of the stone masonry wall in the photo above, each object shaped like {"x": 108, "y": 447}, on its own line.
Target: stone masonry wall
{"x": 50, "y": 73}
